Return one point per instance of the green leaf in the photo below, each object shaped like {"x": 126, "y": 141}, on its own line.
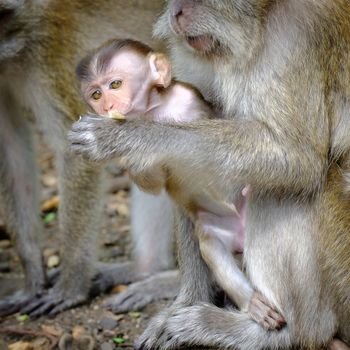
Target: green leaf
{"x": 134, "y": 314}
{"x": 22, "y": 318}
{"x": 49, "y": 218}
{"x": 119, "y": 340}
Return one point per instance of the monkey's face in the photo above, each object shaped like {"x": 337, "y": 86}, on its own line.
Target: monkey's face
{"x": 212, "y": 28}
{"x": 12, "y": 27}
{"x": 117, "y": 87}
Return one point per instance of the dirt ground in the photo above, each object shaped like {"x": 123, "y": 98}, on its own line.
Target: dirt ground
{"x": 90, "y": 323}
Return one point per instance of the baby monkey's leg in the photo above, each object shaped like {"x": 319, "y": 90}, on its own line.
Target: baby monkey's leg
{"x": 220, "y": 237}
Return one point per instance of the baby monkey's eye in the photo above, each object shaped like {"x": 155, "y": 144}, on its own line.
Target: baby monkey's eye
{"x": 96, "y": 95}
{"x": 115, "y": 84}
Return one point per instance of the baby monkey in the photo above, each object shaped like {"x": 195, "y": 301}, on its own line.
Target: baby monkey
{"x": 126, "y": 79}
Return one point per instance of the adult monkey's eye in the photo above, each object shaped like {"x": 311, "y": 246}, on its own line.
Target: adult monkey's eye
{"x": 115, "y": 84}
{"x": 96, "y": 95}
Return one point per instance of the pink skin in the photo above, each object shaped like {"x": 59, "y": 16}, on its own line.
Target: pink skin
{"x": 133, "y": 71}
{"x": 337, "y": 344}
{"x": 182, "y": 21}
{"x": 229, "y": 229}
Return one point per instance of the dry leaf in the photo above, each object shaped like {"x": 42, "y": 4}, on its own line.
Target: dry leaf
{"x": 48, "y": 157}
{"x": 56, "y": 332}
{"x": 119, "y": 317}
{"x": 53, "y": 261}
{"x": 119, "y": 288}
{"x": 119, "y": 208}
{"x": 121, "y": 195}
{"x": 123, "y": 209}
{"x": 49, "y": 180}
{"x": 78, "y": 332}
{"x": 49, "y": 252}
{"x": 21, "y": 345}
{"x": 41, "y": 344}
{"x": 50, "y": 204}
{"x": 5, "y": 243}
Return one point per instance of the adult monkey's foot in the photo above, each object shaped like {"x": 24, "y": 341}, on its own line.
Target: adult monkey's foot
{"x": 152, "y": 337}
{"x": 52, "y": 303}
{"x": 15, "y": 303}
{"x": 162, "y": 285}
{"x": 144, "y": 287}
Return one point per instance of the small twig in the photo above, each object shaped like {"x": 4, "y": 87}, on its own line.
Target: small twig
{"x": 26, "y": 331}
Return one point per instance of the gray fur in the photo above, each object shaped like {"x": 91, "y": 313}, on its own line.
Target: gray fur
{"x": 277, "y": 70}
{"x": 41, "y": 41}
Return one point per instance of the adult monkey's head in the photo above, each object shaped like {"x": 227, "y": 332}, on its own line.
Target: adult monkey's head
{"x": 213, "y": 41}
{"x": 214, "y": 28}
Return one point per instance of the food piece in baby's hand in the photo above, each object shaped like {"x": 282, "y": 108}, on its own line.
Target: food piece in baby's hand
{"x": 116, "y": 115}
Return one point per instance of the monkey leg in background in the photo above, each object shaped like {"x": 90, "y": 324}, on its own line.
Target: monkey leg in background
{"x": 19, "y": 197}
{"x": 39, "y": 48}
{"x": 151, "y": 219}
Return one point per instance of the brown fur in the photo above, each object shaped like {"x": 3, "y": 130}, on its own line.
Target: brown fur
{"x": 40, "y": 45}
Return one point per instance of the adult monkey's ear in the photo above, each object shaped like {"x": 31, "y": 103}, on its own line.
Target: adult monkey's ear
{"x": 160, "y": 69}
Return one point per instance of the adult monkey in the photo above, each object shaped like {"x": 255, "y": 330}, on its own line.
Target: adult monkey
{"x": 280, "y": 71}
{"x": 41, "y": 42}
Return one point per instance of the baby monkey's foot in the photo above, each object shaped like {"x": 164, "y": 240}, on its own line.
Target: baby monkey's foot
{"x": 265, "y": 314}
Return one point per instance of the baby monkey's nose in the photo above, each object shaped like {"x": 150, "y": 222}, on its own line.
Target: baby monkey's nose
{"x": 108, "y": 106}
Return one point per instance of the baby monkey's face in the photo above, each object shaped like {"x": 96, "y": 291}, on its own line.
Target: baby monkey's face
{"x": 116, "y": 87}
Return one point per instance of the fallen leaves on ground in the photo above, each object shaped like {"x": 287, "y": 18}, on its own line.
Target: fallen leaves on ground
{"x": 50, "y": 204}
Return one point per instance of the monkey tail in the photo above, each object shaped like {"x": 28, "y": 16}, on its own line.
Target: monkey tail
{"x": 231, "y": 329}
{"x": 245, "y": 334}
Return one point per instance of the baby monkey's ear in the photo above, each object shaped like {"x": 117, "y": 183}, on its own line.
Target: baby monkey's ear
{"x": 160, "y": 69}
